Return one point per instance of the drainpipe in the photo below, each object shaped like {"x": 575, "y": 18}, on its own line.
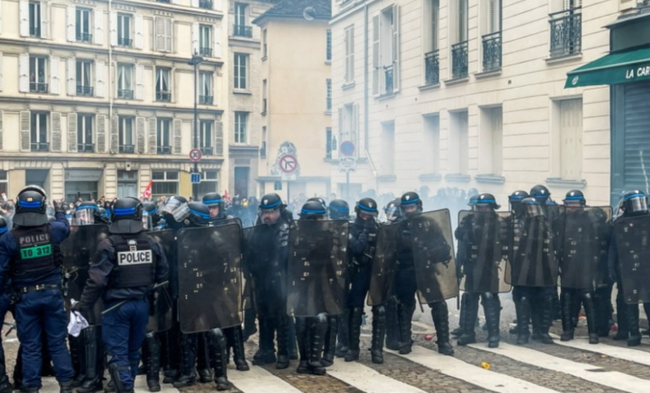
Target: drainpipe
{"x": 366, "y": 96}
{"x": 110, "y": 75}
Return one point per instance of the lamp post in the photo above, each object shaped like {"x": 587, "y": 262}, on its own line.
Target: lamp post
{"x": 195, "y": 61}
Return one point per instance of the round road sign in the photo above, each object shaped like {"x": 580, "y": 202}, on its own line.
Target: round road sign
{"x": 288, "y": 163}
{"x": 347, "y": 148}
{"x": 195, "y": 155}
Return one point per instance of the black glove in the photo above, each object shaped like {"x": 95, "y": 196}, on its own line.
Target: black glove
{"x": 79, "y": 308}
{"x": 59, "y": 207}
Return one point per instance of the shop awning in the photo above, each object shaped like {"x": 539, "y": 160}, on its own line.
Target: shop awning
{"x": 612, "y": 69}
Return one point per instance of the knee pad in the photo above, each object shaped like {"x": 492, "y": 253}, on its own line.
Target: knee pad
{"x": 216, "y": 334}
{"x": 379, "y": 311}
{"x": 321, "y": 318}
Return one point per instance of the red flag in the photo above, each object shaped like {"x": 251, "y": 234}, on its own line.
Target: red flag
{"x": 146, "y": 194}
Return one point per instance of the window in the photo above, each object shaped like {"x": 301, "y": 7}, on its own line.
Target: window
{"x": 566, "y": 29}
{"x": 491, "y": 39}
{"x": 570, "y": 139}
{"x": 349, "y": 123}
{"x": 209, "y": 183}
{"x": 241, "y": 70}
{"x": 241, "y": 124}
{"x": 82, "y": 26}
{"x": 126, "y": 137}
{"x": 4, "y": 182}
{"x": 163, "y": 33}
{"x": 349, "y": 54}
{"x": 205, "y": 4}
{"x": 385, "y": 49}
{"x": 491, "y": 141}
{"x": 206, "y": 137}
{"x": 38, "y": 130}
{"x": 125, "y": 81}
{"x": 431, "y": 145}
{"x": 85, "y": 133}
{"x": 163, "y": 136}
{"x": 328, "y": 45}
{"x": 388, "y": 148}
{"x": 163, "y": 87}
{"x": 459, "y": 50}
{"x": 265, "y": 99}
{"x": 431, "y": 52}
{"x": 205, "y": 40}
{"x": 165, "y": 183}
{"x": 124, "y": 30}
{"x": 35, "y": 19}
{"x": 38, "y": 74}
{"x": 328, "y": 95}
{"x": 84, "y": 78}
{"x": 458, "y": 142}
{"x": 239, "y": 28}
{"x": 264, "y": 44}
{"x": 205, "y": 88}
{"x": 328, "y": 143}
{"x": 263, "y": 147}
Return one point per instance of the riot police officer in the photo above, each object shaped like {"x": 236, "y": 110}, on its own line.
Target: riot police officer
{"x": 128, "y": 266}
{"x": 392, "y": 212}
{"x": 152, "y": 216}
{"x": 339, "y": 209}
{"x": 30, "y": 258}
{"x": 518, "y": 215}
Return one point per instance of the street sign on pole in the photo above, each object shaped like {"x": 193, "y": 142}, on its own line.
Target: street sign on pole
{"x": 288, "y": 165}
{"x": 195, "y": 177}
{"x": 195, "y": 155}
{"x": 347, "y": 164}
{"x": 347, "y": 148}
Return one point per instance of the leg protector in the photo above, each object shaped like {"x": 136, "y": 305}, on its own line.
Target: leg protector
{"x": 317, "y": 340}
{"x": 590, "y": 311}
{"x": 266, "y": 352}
{"x": 203, "y": 359}
{"x": 567, "y": 301}
{"x": 238, "y": 353}
{"x": 342, "y": 336}
{"x": 188, "y": 361}
{"x": 218, "y": 347}
{"x": 77, "y": 347}
{"x": 548, "y": 311}
{"x": 93, "y": 358}
{"x": 249, "y": 323}
{"x": 523, "y": 318}
{"x": 114, "y": 371}
{"x": 623, "y": 331}
{"x": 284, "y": 339}
{"x": 492, "y": 308}
{"x": 330, "y": 341}
{"x": 633, "y": 325}
{"x": 404, "y": 317}
{"x": 153, "y": 361}
{"x": 468, "y": 314}
{"x": 303, "y": 343}
{"x": 378, "y": 333}
{"x": 356, "y": 318}
{"x": 392, "y": 325}
{"x": 440, "y": 315}
{"x": 602, "y": 301}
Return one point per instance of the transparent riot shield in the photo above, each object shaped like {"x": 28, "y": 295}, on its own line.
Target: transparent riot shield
{"x": 486, "y": 237}
{"x": 384, "y": 265}
{"x": 632, "y": 238}
{"x": 317, "y": 266}
{"x": 533, "y": 261}
{"x": 209, "y": 278}
{"x": 433, "y": 254}
{"x": 162, "y": 301}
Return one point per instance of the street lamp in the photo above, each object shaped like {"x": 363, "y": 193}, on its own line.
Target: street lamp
{"x": 195, "y": 61}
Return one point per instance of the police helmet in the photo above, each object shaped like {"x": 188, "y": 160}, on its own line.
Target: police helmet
{"x": 312, "y": 210}
{"x": 319, "y": 199}
{"x": 104, "y": 216}
{"x": 339, "y": 210}
{"x": 271, "y": 202}
{"x": 532, "y": 207}
{"x": 366, "y": 206}
{"x": 176, "y": 207}
{"x": 575, "y": 198}
{"x": 540, "y": 193}
{"x": 126, "y": 216}
{"x": 212, "y": 199}
{"x": 635, "y": 202}
{"x": 199, "y": 214}
{"x": 150, "y": 216}
{"x": 4, "y": 226}
{"x": 472, "y": 201}
{"x": 392, "y": 210}
{"x": 87, "y": 213}
{"x": 31, "y": 207}
{"x": 487, "y": 200}
{"x": 410, "y": 199}
{"x": 472, "y": 192}
{"x": 517, "y": 196}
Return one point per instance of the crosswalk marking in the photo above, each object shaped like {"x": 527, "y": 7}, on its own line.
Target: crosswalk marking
{"x": 613, "y": 379}
{"x": 473, "y": 374}
{"x": 50, "y": 385}
{"x": 628, "y": 354}
{"x": 368, "y": 380}
{"x": 258, "y": 380}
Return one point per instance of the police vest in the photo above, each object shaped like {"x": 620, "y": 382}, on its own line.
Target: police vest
{"x": 134, "y": 262}
{"x": 36, "y": 256}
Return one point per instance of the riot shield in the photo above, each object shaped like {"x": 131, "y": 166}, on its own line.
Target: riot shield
{"x": 632, "y": 237}
{"x": 583, "y": 242}
{"x": 533, "y": 262}
{"x": 209, "y": 278}
{"x": 317, "y": 266}
{"x": 162, "y": 303}
{"x": 433, "y": 255}
{"x": 487, "y": 237}
{"x": 382, "y": 274}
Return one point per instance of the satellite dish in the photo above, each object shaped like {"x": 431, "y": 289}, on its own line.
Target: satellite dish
{"x": 309, "y": 13}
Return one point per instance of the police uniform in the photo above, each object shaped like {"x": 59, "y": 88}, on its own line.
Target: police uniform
{"x": 5, "y": 302}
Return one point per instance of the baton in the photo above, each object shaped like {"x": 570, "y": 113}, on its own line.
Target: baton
{"x": 118, "y": 305}
{"x": 12, "y": 326}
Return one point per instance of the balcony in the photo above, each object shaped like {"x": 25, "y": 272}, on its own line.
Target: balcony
{"x": 388, "y": 79}
{"x": 85, "y": 147}
{"x": 163, "y": 96}
{"x": 205, "y": 51}
{"x": 35, "y": 31}
{"x": 130, "y": 149}
{"x": 492, "y": 51}
{"x": 162, "y": 1}
{"x": 40, "y": 146}
{"x": 84, "y": 37}
{"x": 242, "y": 31}
{"x": 566, "y": 32}
{"x": 126, "y": 94}
{"x": 207, "y": 150}
{"x": 432, "y": 67}
{"x": 205, "y": 100}
{"x": 36, "y": 87}
{"x": 84, "y": 90}
{"x": 124, "y": 42}
{"x": 205, "y": 4}
{"x": 164, "y": 149}
{"x": 459, "y": 60}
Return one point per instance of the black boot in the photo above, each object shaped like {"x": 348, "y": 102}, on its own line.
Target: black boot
{"x": 523, "y": 318}
{"x": 65, "y": 387}
{"x": 78, "y": 355}
{"x": 293, "y": 349}
{"x": 567, "y": 301}
{"x": 440, "y": 316}
{"x": 392, "y": 325}
{"x": 188, "y": 361}
{"x": 343, "y": 334}
{"x": 469, "y": 314}
{"x": 404, "y": 317}
{"x": 461, "y": 319}
{"x": 622, "y": 319}
{"x": 249, "y": 323}
{"x": 284, "y": 340}
{"x": 5, "y": 385}
{"x": 536, "y": 319}
{"x": 633, "y": 325}
{"x": 152, "y": 363}
{"x": 546, "y": 319}
{"x": 203, "y": 359}
{"x": 330, "y": 341}
{"x": 492, "y": 308}
{"x": 302, "y": 335}
{"x": 590, "y": 311}
{"x": 356, "y": 318}
{"x": 646, "y": 309}
{"x": 266, "y": 352}
{"x": 170, "y": 352}
{"x": 378, "y": 333}
{"x": 602, "y": 301}
{"x": 238, "y": 353}
{"x": 218, "y": 347}
{"x": 93, "y": 359}
{"x": 18, "y": 370}
{"x": 317, "y": 337}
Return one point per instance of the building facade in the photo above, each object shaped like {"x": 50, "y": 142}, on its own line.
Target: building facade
{"x": 469, "y": 93}
{"x": 96, "y": 98}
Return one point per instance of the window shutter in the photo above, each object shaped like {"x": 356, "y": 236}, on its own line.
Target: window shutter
{"x": 54, "y": 75}
{"x": 158, "y": 31}
{"x": 55, "y": 146}
{"x": 113, "y": 28}
{"x": 98, "y": 37}
{"x": 139, "y": 82}
{"x": 177, "y": 136}
{"x": 101, "y": 133}
{"x": 354, "y": 130}
{"x": 195, "y": 3}
{"x": 140, "y": 134}
{"x": 335, "y": 152}
{"x": 0, "y": 18}
{"x": 396, "y": 49}
{"x": 115, "y": 130}
{"x": 72, "y": 132}
{"x": 0, "y": 71}
{"x": 169, "y": 35}
{"x": 195, "y": 38}
{"x": 45, "y": 20}
{"x": 71, "y": 74}
{"x": 23, "y": 10}
{"x": 217, "y": 5}
{"x": 138, "y": 42}
{"x": 2, "y": 126}
{"x": 152, "y": 135}
{"x": 25, "y": 131}
{"x": 218, "y": 141}
{"x": 70, "y": 18}
{"x": 376, "y": 56}
{"x": 217, "y": 40}
{"x": 100, "y": 75}
{"x": 23, "y": 72}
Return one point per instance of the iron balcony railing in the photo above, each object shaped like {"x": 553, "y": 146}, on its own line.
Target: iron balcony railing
{"x": 243, "y": 31}
{"x": 125, "y": 42}
{"x": 205, "y": 51}
{"x": 207, "y": 150}
{"x": 84, "y": 37}
{"x": 84, "y": 90}
{"x": 205, "y": 4}
{"x": 40, "y": 146}
{"x": 127, "y": 94}
{"x": 492, "y": 51}
{"x": 127, "y": 149}
{"x": 459, "y": 60}
{"x": 36, "y": 87}
{"x": 388, "y": 79}
{"x": 85, "y": 147}
{"x": 164, "y": 149}
{"x": 432, "y": 67}
{"x": 566, "y": 32}
{"x": 205, "y": 100}
{"x": 164, "y": 96}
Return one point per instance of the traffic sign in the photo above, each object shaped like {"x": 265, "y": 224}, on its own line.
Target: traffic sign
{"x": 288, "y": 163}
{"x": 347, "y": 148}
{"x": 195, "y": 155}
{"x": 347, "y": 164}
{"x": 195, "y": 177}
